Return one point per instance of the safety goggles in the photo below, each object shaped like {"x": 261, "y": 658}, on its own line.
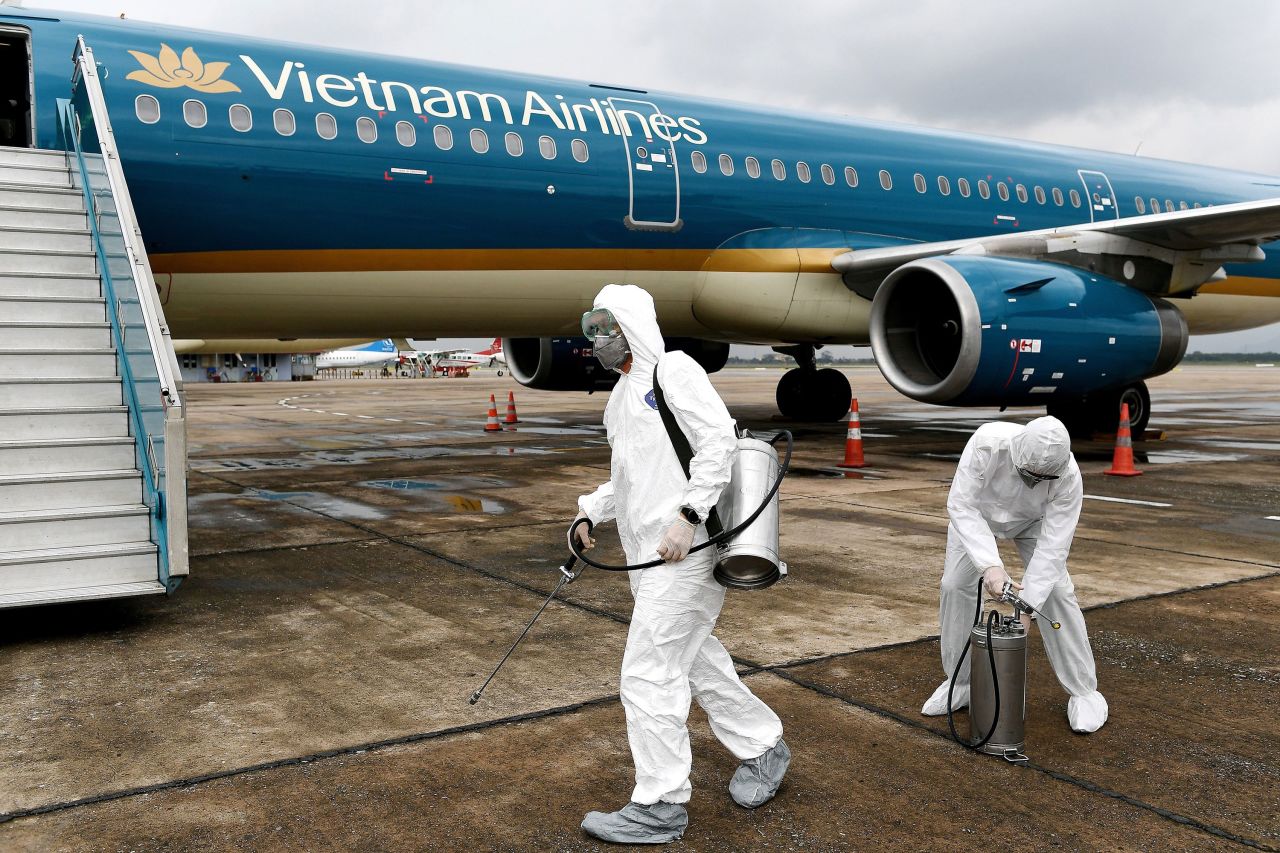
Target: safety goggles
{"x": 600, "y": 323}
{"x": 1033, "y": 478}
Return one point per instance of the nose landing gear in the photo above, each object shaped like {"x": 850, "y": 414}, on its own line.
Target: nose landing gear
{"x": 806, "y": 393}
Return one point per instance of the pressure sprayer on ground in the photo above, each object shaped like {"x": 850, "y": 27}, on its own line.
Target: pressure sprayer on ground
{"x": 998, "y": 692}
{"x": 746, "y": 547}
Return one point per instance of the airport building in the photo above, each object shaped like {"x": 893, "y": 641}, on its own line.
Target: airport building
{"x": 247, "y": 367}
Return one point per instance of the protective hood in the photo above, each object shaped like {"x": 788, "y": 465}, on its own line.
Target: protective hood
{"x": 1043, "y": 447}
{"x": 633, "y": 308}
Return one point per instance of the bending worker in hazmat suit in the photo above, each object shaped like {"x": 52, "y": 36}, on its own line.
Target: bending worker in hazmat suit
{"x": 671, "y": 655}
{"x": 1019, "y": 483}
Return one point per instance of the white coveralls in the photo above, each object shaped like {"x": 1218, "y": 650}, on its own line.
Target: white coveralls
{"x": 671, "y": 654}
{"x": 990, "y": 500}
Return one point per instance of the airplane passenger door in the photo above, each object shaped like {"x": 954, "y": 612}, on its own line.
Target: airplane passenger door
{"x": 1099, "y": 196}
{"x": 653, "y": 174}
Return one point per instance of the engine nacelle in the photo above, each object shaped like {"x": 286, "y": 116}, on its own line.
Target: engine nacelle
{"x": 976, "y": 330}
{"x": 569, "y": 364}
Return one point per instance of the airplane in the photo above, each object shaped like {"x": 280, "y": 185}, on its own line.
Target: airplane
{"x": 373, "y": 354}
{"x": 459, "y": 359}
{"x": 288, "y": 190}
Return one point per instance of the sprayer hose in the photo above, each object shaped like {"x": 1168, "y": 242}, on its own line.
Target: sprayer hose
{"x": 993, "y": 616}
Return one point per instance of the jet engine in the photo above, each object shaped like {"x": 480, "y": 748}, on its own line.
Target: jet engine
{"x": 568, "y": 364}
{"x": 976, "y": 330}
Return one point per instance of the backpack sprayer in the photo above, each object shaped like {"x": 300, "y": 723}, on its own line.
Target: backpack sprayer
{"x": 997, "y": 693}
{"x": 746, "y": 553}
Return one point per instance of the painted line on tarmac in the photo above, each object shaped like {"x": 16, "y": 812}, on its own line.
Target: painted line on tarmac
{"x": 1273, "y": 517}
{"x": 1125, "y": 501}
{"x": 300, "y": 760}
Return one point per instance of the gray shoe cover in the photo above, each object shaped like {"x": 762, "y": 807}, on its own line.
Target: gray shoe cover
{"x": 757, "y": 779}
{"x": 637, "y": 824}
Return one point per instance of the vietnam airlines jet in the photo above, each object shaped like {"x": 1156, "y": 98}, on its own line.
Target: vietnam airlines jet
{"x": 373, "y": 354}
{"x": 285, "y": 190}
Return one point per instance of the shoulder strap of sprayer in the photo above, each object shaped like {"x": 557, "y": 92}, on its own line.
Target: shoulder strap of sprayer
{"x": 681, "y": 444}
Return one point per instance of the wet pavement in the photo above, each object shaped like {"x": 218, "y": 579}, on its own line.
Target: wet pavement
{"x": 363, "y": 553}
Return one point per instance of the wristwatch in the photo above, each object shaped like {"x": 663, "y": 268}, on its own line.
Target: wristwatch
{"x": 691, "y": 515}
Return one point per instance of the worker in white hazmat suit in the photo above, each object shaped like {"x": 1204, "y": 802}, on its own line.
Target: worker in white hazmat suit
{"x": 1019, "y": 483}
{"x": 671, "y": 655}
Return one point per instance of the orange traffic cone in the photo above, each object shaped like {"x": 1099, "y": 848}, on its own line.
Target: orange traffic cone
{"x": 492, "y": 424}
{"x": 853, "y": 440}
{"x": 1122, "y": 461}
{"x": 511, "y": 409}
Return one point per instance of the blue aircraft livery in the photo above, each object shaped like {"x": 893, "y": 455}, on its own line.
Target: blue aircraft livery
{"x": 290, "y": 191}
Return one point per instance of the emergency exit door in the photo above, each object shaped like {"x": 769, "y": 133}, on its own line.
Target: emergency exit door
{"x": 653, "y": 174}
{"x": 1099, "y": 196}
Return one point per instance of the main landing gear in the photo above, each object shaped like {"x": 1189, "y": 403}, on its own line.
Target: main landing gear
{"x": 1100, "y": 411}
{"x": 806, "y": 393}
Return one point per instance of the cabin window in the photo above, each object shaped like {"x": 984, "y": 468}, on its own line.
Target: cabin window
{"x": 1196, "y": 205}
{"x": 1075, "y": 198}
{"x": 802, "y": 172}
{"x": 194, "y": 113}
{"x": 1168, "y": 205}
{"x": 1057, "y": 196}
{"x": 479, "y": 141}
{"x": 886, "y": 180}
{"x": 828, "y": 174}
{"x": 699, "y": 162}
{"x": 580, "y": 151}
{"x": 1182, "y": 205}
{"x": 406, "y": 134}
{"x": 1140, "y": 204}
{"x": 515, "y": 144}
{"x": 326, "y": 126}
{"x": 962, "y": 184}
{"x": 147, "y": 109}
{"x": 1022, "y": 193}
{"x": 284, "y": 122}
{"x": 726, "y": 164}
{"x": 851, "y": 176}
{"x": 241, "y": 118}
{"x": 920, "y": 183}
{"x": 753, "y": 167}
{"x": 944, "y": 185}
{"x": 984, "y": 189}
{"x": 779, "y": 170}
{"x": 547, "y": 147}
{"x": 366, "y": 130}
{"x": 1002, "y": 190}
{"x": 443, "y": 137}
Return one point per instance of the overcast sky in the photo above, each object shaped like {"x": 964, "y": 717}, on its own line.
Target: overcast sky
{"x": 1185, "y": 81}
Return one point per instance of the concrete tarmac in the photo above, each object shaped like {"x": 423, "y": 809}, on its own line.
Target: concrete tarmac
{"x": 363, "y": 553}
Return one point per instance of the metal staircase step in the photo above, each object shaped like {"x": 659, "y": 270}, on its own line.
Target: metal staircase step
{"x": 71, "y": 490}
{"x": 25, "y": 572}
{"x": 55, "y": 391}
{"x": 83, "y": 593}
{"x": 35, "y": 217}
{"x": 18, "y": 364}
{"x": 16, "y": 336}
{"x": 52, "y": 309}
{"x": 47, "y": 261}
{"x": 66, "y": 455}
{"x": 22, "y": 238}
{"x": 10, "y": 156}
{"x": 61, "y": 528}
{"x": 45, "y": 198}
{"x": 39, "y": 284}
{"x": 64, "y": 422}
{"x": 43, "y": 176}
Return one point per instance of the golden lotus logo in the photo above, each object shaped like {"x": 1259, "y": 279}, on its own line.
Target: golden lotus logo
{"x": 168, "y": 71}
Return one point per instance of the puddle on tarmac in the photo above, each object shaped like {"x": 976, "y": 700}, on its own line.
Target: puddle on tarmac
{"x": 554, "y": 430}
{"x": 223, "y": 509}
{"x": 427, "y": 492}
{"x": 1169, "y": 457}
{"x": 833, "y": 474}
{"x": 1273, "y": 446}
{"x": 316, "y": 458}
{"x": 451, "y": 484}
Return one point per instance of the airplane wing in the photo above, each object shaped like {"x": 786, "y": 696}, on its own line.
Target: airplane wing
{"x": 1188, "y": 247}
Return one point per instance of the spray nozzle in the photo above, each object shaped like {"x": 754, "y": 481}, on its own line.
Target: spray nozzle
{"x": 1007, "y": 594}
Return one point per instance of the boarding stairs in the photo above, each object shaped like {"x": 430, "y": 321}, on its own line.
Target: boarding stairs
{"x": 92, "y": 435}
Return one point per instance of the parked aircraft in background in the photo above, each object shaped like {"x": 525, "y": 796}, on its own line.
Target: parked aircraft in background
{"x": 374, "y": 354}
{"x": 491, "y": 356}
{"x": 285, "y": 190}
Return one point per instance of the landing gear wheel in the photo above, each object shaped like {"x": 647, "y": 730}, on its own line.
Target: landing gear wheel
{"x": 1100, "y": 412}
{"x": 814, "y": 395}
